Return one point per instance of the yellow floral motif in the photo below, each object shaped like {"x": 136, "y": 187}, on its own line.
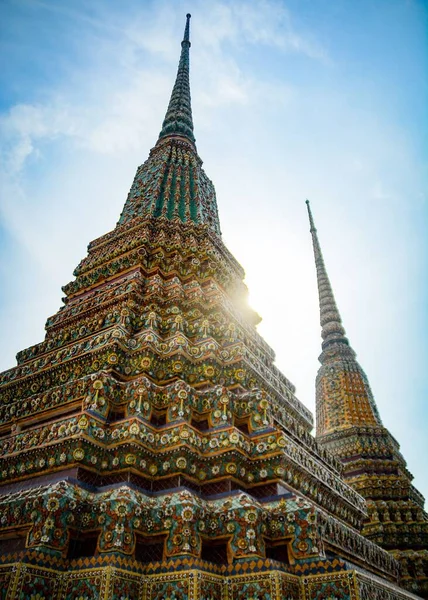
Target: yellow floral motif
{"x": 251, "y": 516}
{"x": 187, "y": 514}
{"x": 121, "y": 510}
{"x": 52, "y": 504}
{"x": 134, "y": 429}
{"x": 146, "y": 362}
{"x": 83, "y": 422}
{"x": 209, "y": 371}
{"x": 78, "y": 454}
{"x": 130, "y": 459}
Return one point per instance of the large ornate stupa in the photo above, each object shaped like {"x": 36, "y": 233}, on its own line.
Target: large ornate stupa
{"x": 151, "y": 450}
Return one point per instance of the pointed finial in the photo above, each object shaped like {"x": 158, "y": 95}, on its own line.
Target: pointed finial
{"x": 311, "y": 220}
{"x": 331, "y": 323}
{"x": 178, "y": 119}
{"x": 186, "y": 37}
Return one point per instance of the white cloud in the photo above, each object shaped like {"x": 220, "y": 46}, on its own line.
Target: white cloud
{"x": 24, "y": 126}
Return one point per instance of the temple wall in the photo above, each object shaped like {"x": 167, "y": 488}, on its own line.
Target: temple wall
{"x": 21, "y": 581}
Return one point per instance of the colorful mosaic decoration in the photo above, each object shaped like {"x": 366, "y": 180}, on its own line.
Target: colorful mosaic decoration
{"x": 151, "y": 450}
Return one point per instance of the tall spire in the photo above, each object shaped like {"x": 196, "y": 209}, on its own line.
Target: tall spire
{"x": 178, "y": 119}
{"x": 344, "y": 398}
{"x": 331, "y": 323}
{"x": 171, "y": 183}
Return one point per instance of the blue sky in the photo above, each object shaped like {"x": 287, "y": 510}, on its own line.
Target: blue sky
{"x": 325, "y": 100}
